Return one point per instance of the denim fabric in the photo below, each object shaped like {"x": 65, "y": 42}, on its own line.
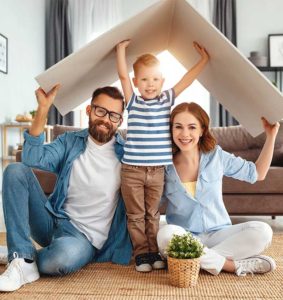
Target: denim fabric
{"x": 68, "y": 252}
{"x": 65, "y": 248}
{"x": 28, "y": 212}
{"x": 58, "y": 157}
{"x": 206, "y": 211}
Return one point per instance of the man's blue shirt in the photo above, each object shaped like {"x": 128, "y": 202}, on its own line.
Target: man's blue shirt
{"x": 58, "y": 157}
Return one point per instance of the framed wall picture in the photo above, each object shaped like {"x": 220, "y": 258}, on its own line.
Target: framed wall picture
{"x": 275, "y": 50}
{"x": 3, "y": 54}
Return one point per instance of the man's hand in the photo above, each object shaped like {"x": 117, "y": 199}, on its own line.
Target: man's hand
{"x": 271, "y": 130}
{"x": 202, "y": 51}
{"x": 45, "y": 100}
{"x": 123, "y": 45}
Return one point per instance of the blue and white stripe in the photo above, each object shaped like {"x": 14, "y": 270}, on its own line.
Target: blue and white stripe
{"x": 148, "y": 135}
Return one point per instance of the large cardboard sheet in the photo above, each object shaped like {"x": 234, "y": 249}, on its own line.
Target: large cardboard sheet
{"x": 170, "y": 25}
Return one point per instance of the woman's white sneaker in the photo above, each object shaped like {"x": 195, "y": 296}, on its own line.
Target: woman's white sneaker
{"x": 17, "y": 274}
{"x": 259, "y": 264}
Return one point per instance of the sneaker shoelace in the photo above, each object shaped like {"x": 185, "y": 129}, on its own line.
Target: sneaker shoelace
{"x": 155, "y": 257}
{"x": 250, "y": 266}
{"x": 142, "y": 259}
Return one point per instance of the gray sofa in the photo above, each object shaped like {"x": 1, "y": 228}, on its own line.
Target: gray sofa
{"x": 262, "y": 198}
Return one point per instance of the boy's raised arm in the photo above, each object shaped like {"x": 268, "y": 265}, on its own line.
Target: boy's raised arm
{"x": 123, "y": 71}
{"x": 193, "y": 73}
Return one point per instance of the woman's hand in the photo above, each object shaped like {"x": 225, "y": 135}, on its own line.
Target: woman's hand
{"x": 271, "y": 130}
{"x": 264, "y": 160}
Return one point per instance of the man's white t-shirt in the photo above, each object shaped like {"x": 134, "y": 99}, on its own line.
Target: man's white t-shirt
{"x": 93, "y": 191}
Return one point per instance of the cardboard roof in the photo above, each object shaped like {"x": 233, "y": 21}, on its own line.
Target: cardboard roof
{"x": 170, "y": 25}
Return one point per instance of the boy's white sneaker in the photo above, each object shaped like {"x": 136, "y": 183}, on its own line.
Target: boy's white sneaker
{"x": 3, "y": 255}
{"x": 17, "y": 274}
{"x": 259, "y": 264}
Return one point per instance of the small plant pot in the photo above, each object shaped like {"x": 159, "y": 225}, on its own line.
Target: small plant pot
{"x": 183, "y": 272}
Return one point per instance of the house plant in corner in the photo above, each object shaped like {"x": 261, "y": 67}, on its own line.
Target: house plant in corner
{"x": 183, "y": 253}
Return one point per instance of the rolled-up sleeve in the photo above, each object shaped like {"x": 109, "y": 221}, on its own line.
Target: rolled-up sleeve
{"x": 46, "y": 157}
{"x": 34, "y": 140}
{"x": 238, "y": 167}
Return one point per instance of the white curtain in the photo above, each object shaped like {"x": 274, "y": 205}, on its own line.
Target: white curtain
{"x": 90, "y": 18}
{"x": 204, "y": 7}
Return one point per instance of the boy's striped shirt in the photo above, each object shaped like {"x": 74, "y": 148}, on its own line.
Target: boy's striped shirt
{"x": 148, "y": 134}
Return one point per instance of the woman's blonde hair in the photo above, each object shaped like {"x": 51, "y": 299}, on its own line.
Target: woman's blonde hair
{"x": 207, "y": 142}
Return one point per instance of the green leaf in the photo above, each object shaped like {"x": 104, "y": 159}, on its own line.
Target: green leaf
{"x": 184, "y": 247}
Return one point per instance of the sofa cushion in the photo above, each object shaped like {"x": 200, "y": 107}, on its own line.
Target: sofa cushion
{"x": 271, "y": 185}
{"x": 234, "y": 139}
{"x": 46, "y": 179}
{"x": 254, "y": 204}
{"x": 60, "y": 129}
{"x": 237, "y": 140}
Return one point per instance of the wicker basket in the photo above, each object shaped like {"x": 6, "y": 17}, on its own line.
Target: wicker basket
{"x": 183, "y": 272}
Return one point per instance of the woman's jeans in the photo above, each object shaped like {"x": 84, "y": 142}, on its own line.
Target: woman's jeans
{"x": 65, "y": 249}
{"x": 235, "y": 242}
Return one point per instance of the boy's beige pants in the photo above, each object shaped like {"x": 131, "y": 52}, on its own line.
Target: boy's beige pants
{"x": 142, "y": 188}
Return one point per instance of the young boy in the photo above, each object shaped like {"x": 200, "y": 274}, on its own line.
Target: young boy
{"x": 148, "y": 148}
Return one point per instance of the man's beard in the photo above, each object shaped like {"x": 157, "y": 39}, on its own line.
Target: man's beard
{"x": 99, "y": 135}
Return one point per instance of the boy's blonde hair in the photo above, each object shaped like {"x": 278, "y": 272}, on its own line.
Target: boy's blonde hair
{"x": 145, "y": 60}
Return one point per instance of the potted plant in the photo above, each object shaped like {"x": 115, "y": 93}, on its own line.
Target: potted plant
{"x": 183, "y": 253}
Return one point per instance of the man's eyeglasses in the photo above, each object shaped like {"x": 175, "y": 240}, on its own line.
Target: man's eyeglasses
{"x": 101, "y": 112}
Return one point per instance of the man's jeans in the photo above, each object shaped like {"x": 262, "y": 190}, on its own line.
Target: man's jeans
{"x": 65, "y": 249}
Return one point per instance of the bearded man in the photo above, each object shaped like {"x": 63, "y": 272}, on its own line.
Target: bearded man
{"x": 84, "y": 219}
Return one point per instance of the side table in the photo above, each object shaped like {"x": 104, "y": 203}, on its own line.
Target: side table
{"x": 21, "y": 127}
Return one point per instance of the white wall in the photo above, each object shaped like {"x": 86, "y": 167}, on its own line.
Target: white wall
{"x": 130, "y": 7}
{"x": 255, "y": 20}
{"x": 23, "y": 23}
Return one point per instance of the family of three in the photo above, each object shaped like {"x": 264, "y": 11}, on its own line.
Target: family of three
{"x": 86, "y": 219}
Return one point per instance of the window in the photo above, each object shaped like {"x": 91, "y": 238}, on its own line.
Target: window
{"x": 173, "y": 72}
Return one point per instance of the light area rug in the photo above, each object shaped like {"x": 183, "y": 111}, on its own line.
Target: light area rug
{"x": 110, "y": 281}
